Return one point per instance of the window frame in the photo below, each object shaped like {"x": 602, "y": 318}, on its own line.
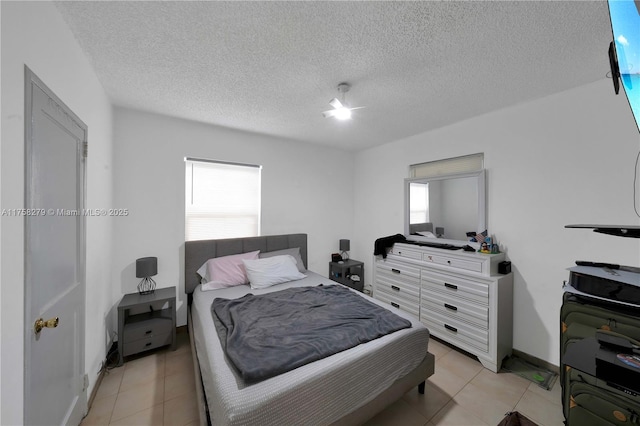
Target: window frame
{"x": 209, "y": 210}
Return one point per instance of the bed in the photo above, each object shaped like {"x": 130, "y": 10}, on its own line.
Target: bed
{"x": 347, "y": 388}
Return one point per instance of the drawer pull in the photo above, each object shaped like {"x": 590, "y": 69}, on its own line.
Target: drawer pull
{"x": 147, "y": 345}
{"x": 396, "y": 288}
{"x": 395, "y": 271}
{"x": 148, "y": 332}
{"x": 448, "y": 327}
{"x": 451, "y": 286}
{"x": 448, "y": 306}
{"x": 395, "y": 305}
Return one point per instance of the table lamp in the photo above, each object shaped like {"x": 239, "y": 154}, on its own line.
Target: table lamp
{"x": 146, "y": 267}
{"x": 344, "y": 248}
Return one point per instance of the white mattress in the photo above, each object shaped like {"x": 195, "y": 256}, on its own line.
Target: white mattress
{"x": 315, "y": 394}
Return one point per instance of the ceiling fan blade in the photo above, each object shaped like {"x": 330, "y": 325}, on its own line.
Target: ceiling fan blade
{"x": 330, "y": 113}
{"x": 351, "y": 109}
{"x": 335, "y": 103}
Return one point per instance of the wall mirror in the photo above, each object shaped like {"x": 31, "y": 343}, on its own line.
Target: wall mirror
{"x": 445, "y": 207}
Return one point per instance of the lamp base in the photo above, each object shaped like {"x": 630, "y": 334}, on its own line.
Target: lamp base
{"x": 147, "y": 286}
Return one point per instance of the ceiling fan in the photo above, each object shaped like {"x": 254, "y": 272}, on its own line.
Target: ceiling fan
{"x": 340, "y": 110}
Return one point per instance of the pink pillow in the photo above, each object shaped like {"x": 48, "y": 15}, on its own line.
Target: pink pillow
{"x": 228, "y": 271}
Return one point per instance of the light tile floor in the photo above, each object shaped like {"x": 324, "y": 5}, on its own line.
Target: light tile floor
{"x": 462, "y": 392}
{"x": 156, "y": 389}
{"x": 159, "y": 389}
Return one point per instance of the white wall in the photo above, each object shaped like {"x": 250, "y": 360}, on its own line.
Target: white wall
{"x": 305, "y": 188}
{"x": 33, "y": 33}
{"x": 565, "y": 159}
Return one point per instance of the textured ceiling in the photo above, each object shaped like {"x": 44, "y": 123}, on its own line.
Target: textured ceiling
{"x": 272, "y": 67}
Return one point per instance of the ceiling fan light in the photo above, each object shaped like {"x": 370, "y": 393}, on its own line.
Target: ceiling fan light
{"x": 335, "y": 103}
{"x": 342, "y": 113}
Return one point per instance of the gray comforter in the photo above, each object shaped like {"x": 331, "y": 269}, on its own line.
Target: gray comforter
{"x": 273, "y": 333}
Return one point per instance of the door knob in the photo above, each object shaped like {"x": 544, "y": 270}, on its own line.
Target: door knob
{"x": 40, "y": 324}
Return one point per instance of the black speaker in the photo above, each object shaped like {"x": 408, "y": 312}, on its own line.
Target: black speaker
{"x": 504, "y": 267}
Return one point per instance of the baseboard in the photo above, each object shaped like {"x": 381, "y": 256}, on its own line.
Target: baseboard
{"x": 94, "y": 391}
{"x": 107, "y": 364}
{"x": 537, "y": 361}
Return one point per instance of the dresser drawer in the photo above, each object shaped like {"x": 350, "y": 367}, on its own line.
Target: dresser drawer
{"x": 145, "y": 344}
{"x": 405, "y": 252}
{"x": 412, "y": 307}
{"x": 456, "y": 287}
{"x": 467, "y": 265}
{"x": 145, "y": 329}
{"x": 452, "y": 329}
{"x": 456, "y": 308}
{"x": 406, "y": 290}
{"x": 398, "y": 269}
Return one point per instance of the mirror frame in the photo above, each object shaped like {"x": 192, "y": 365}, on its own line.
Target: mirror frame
{"x": 482, "y": 203}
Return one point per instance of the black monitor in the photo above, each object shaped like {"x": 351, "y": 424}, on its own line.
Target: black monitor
{"x": 615, "y": 70}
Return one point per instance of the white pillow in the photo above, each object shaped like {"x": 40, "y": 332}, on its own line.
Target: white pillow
{"x": 272, "y": 270}
{"x": 204, "y": 274}
{"x": 295, "y": 252}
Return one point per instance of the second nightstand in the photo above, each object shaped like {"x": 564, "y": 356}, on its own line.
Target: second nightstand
{"x": 344, "y": 272}
{"x": 154, "y": 326}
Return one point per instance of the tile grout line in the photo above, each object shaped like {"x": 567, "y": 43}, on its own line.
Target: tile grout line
{"x": 117, "y": 393}
{"x": 451, "y": 397}
{"x": 526, "y": 389}
{"x": 163, "y": 356}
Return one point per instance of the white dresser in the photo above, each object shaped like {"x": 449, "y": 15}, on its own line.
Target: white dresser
{"x": 458, "y": 295}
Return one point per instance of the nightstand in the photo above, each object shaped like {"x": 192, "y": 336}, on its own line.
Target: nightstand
{"x": 145, "y": 323}
{"x": 342, "y": 271}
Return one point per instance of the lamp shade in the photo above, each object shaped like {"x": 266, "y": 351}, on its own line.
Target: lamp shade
{"x": 344, "y": 245}
{"x": 146, "y": 267}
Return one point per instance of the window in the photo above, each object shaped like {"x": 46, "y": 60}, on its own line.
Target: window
{"x": 222, "y": 200}
{"x": 418, "y": 202}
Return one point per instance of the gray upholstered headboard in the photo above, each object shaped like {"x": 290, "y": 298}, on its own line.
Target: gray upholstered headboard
{"x": 419, "y": 227}
{"x": 198, "y": 252}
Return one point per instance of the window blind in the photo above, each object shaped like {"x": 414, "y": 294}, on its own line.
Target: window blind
{"x": 419, "y": 203}
{"x": 464, "y": 164}
{"x": 222, "y": 200}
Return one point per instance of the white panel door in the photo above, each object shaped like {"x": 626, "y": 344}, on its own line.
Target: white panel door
{"x": 55, "y": 251}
